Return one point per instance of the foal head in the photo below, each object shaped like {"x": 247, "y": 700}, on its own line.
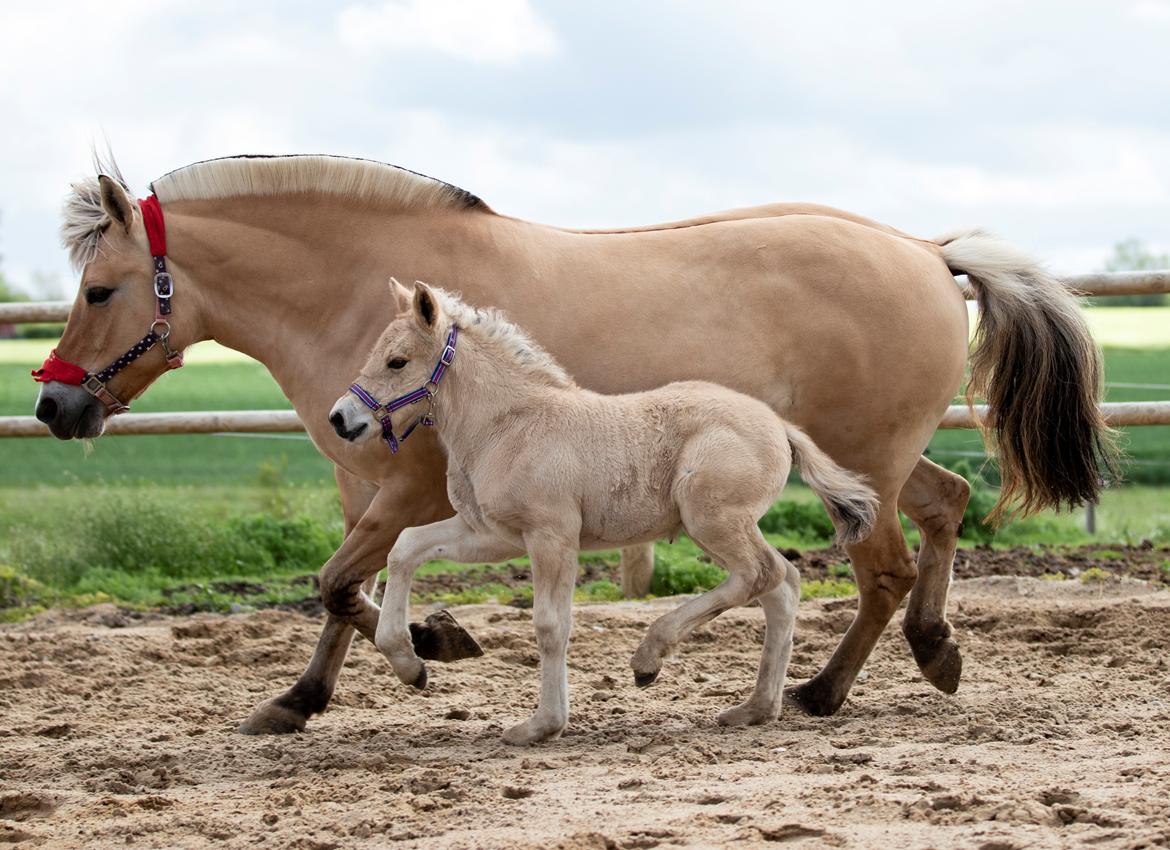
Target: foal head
{"x": 401, "y": 361}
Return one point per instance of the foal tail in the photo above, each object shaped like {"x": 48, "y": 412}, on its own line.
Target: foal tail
{"x": 1037, "y": 366}
{"x": 852, "y": 504}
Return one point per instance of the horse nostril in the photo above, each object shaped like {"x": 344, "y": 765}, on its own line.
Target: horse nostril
{"x": 46, "y": 410}
{"x": 338, "y": 423}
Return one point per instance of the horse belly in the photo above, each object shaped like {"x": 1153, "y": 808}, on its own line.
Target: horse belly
{"x": 625, "y": 518}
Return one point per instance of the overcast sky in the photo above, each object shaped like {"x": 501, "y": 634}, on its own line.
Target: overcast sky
{"x": 1046, "y": 122}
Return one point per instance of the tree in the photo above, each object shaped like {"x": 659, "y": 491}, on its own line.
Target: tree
{"x": 1131, "y": 255}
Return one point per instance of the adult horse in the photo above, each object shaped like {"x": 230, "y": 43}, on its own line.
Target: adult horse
{"x": 853, "y": 331}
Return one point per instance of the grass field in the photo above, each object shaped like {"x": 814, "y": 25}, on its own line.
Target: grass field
{"x": 261, "y": 508}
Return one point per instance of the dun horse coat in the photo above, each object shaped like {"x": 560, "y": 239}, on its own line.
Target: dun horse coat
{"x": 851, "y": 330}
{"x": 536, "y": 464}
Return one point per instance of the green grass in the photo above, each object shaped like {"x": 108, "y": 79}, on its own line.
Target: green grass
{"x": 184, "y": 520}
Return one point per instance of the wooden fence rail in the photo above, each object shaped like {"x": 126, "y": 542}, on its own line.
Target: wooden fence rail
{"x": 286, "y": 421}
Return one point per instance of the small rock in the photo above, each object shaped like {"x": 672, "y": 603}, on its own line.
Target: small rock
{"x": 458, "y": 714}
{"x": 517, "y": 792}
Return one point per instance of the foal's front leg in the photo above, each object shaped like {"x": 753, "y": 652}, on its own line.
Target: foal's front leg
{"x": 554, "y": 575}
{"x": 452, "y": 539}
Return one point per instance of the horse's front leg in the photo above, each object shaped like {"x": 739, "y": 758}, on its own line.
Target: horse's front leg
{"x": 554, "y": 575}
{"x": 310, "y": 694}
{"x": 452, "y": 539}
{"x": 398, "y": 505}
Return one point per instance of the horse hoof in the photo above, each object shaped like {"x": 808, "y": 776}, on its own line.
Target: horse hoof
{"x": 420, "y": 681}
{"x": 271, "y": 718}
{"x": 747, "y": 715}
{"x": 441, "y": 638}
{"x": 812, "y": 698}
{"x": 945, "y": 667}
{"x": 645, "y": 680}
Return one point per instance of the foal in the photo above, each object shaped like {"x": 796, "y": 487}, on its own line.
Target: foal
{"x": 537, "y": 464}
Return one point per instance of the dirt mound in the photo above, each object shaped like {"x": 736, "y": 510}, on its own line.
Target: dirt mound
{"x": 1057, "y": 737}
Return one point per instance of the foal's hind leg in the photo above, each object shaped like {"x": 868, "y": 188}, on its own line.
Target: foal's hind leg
{"x": 754, "y": 568}
{"x": 779, "y": 607}
{"x": 934, "y": 499}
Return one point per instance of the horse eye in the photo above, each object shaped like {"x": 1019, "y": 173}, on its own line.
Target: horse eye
{"x": 396, "y": 363}
{"x": 98, "y": 295}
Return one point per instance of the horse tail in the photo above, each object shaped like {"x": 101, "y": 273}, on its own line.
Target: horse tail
{"x": 852, "y": 504}
{"x": 1040, "y": 372}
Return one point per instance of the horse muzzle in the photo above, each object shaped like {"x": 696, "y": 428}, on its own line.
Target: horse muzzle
{"x": 348, "y": 422}
{"x": 70, "y": 411}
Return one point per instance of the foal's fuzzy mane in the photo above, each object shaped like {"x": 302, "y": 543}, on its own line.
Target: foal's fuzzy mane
{"x": 493, "y": 327}
{"x": 238, "y": 176}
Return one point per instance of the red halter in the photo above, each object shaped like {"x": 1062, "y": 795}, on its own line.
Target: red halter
{"x": 57, "y": 369}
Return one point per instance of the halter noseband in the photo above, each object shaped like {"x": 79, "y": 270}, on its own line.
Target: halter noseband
{"x": 56, "y": 369}
{"x": 428, "y": 391}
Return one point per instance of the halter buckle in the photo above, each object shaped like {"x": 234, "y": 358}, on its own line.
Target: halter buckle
{"x": 448, "y": 355}
{"x": 164, "y": 285}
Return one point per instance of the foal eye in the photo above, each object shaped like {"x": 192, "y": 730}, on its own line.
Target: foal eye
{"x": 98, "y": 295}
{"x": 396, "y": 363}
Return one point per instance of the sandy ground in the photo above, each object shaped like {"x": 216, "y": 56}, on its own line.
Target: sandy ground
{"x": 1059, "y": 736}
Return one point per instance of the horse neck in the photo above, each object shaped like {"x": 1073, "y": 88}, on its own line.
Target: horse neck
{"x": 483, "y": 388}
{"x": 299, "y": 283}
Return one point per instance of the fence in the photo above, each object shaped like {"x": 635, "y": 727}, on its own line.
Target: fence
{"x": 284, "y": 421}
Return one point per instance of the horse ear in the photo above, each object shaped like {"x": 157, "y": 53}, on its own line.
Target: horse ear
{"x": 116, "y": 201}
{"x": 426, "y": 306}
{"x": 401, "y": 295}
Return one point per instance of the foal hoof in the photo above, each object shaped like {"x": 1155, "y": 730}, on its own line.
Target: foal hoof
{"x": 645, "y": 680}
{"x": 420, "y": 681}
{"x": 441, "y": 638}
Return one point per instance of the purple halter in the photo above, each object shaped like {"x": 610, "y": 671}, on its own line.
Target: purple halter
{"x": 382, "y": 411}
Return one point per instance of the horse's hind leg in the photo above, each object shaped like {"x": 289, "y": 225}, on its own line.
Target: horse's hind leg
{"x": 637, "y": 570}
{"x": 885, "y": 573}
{"x": 779, "y": 607}
{"x": 934, "y": 499}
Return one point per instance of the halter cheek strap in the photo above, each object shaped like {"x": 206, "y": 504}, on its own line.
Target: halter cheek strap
{"x": 428, "y": 390}
{"x": 57, "y": 369}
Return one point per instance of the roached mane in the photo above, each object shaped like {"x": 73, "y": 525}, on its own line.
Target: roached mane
{"x": 238, "y": 176}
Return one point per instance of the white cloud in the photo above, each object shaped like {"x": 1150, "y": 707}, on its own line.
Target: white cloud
{"x": 502, "y": 31}
{"x": 1151, "y": 10}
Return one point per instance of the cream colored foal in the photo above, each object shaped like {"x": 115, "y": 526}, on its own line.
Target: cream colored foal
{"x": 537, "y": 464}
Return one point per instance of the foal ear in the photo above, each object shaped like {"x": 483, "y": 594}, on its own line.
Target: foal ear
{"x": 426, "y": 306}
{"x": 402, "y": 296}
{"x": 116, "y": 201}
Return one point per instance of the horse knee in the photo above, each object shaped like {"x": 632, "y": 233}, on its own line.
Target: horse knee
{"x": 552, "y": 631}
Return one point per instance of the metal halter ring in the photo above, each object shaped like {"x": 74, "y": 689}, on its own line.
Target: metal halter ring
{"x": 166, "y": 329}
